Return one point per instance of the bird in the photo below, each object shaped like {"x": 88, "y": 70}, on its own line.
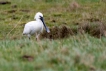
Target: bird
{"x": 36, "y": 26}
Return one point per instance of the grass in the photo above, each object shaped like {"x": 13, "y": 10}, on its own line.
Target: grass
{"x": 75, "y": 53}
{"x": 79, "y": 52}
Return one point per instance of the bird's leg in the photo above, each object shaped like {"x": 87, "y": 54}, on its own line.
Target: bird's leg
{"x": 37, "y": 37}
{"x": 29, "y": 36}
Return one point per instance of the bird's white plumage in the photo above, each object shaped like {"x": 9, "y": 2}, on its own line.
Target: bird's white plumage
{"x": 37, "y": 16}
{"x": 34, "y": 27}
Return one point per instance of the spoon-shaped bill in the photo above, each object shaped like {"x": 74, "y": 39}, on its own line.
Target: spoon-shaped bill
{"x": 47, "y": 29}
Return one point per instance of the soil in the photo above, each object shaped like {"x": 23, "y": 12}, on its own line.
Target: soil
{"x": 96, "y": 29}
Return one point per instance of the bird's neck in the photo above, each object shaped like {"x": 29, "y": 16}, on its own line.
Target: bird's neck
{"x": 39, "y": 20}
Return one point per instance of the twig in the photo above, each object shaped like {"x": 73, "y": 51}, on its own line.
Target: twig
{"x": 15, "y": 26}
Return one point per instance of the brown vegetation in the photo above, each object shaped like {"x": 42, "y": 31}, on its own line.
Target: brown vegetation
{"x": 96, "y": 29}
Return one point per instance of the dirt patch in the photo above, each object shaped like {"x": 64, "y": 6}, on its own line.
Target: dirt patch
{"x": 58, "y": 32}
{"x": 96, "y": 29}
{"x": 4, "y": 2}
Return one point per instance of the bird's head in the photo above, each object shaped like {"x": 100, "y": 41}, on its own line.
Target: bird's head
{"x": 39, "y": 16}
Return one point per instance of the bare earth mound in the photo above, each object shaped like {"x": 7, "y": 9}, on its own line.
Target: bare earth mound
{"x": 96, "y": 29}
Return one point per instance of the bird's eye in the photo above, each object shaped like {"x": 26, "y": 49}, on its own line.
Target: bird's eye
{"x": 40, "y": 16}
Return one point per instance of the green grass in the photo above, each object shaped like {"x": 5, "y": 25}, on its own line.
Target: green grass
{"x": 74, "y": 53}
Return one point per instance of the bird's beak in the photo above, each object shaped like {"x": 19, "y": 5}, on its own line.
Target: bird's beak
{"x": 47, "y": 29}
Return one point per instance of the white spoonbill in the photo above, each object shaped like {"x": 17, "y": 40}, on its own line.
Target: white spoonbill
{"x": 35, "y": 27}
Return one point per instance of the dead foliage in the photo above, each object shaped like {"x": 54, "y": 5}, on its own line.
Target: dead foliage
{"x": 96, "y": 29}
